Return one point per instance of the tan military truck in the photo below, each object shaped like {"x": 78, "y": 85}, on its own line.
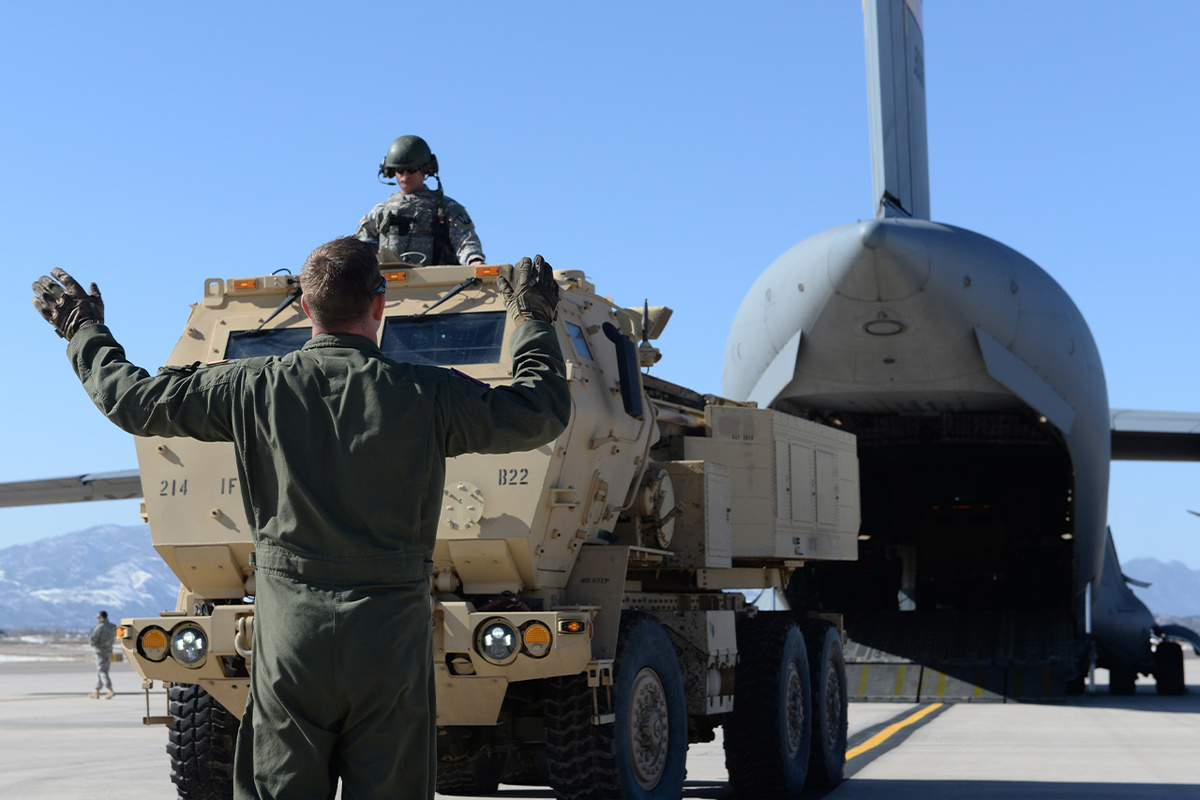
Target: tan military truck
{"x": 590, "y": 597}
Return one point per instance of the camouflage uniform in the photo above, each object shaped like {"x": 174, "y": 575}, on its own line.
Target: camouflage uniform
{"x": 102, "y": 639}
{"x": 341, "y": 452}
{"x": 405, "y": 223}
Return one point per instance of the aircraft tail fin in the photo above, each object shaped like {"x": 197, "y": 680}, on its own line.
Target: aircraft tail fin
{"x": 896, "y": 98}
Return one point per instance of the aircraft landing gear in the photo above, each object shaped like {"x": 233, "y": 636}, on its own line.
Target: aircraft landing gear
{"x": 1122, "y": 680}
{"x": 1168, "y": 668}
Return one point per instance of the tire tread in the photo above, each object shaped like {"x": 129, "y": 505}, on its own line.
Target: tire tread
{"x": 200, "y": 744}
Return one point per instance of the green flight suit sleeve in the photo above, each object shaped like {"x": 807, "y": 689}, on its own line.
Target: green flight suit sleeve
{"x": 179, "y": 401}
{"x": 530, "y": 412}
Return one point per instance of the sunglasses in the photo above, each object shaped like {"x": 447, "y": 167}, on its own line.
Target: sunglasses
{"x": 407, "y": 171}
{"x": 381, "y": 288}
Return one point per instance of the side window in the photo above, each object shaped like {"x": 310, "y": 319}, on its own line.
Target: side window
{"x": 579, "y": 341}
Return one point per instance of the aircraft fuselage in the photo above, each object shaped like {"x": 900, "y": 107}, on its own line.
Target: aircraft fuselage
{"x": 978, "y": 396}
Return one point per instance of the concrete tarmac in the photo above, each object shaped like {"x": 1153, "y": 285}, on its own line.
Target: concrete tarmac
{"x": 55, "y": 742}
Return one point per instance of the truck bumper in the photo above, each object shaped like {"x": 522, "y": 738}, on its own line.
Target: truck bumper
{"x": 210, "y": 651}
{"x": 472, "y": 678}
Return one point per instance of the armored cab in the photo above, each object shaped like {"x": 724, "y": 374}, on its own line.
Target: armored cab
{"x": 589, "y": 597}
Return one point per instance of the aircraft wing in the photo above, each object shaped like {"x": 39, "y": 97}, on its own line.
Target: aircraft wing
{"x": 1155, "y": 435}
{"x": 121, "y": 485}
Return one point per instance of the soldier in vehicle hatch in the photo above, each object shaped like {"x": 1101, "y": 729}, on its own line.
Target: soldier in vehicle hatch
{"x": 416, "y": 220}
{"x": 342, "y": 453}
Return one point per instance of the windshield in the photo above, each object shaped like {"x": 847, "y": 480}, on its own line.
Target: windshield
{"x": 445, "y": 339}
{"x": 274, "y": 342}
{"x": 442, "y": 340}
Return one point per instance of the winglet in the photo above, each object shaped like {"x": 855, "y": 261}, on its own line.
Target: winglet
{"x": 896, "y": 102}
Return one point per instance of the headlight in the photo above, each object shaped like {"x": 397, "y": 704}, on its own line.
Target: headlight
{"x": 153, "y": 644}
{"x": 189, "y": 645}
{"x": 537, "y": 639}
{"x": 497, "y": 641}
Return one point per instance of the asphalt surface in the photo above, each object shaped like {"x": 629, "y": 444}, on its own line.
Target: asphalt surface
{"x": 55, "y": 742}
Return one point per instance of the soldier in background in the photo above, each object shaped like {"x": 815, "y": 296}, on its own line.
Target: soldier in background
{"x": 416, "y": 220}
{"x": 102, "y": 638}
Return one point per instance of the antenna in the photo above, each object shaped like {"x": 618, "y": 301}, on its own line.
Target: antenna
{"x": 648, "y": 354}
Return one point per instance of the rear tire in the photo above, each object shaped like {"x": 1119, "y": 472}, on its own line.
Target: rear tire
{"x": 643, "y": 754}
{"x": 769, "y": 734}
{"x": 525, "y": 768}
{"x": 827, "y": 670}
{"x": 1168, "y": 669}
{"x": 479, "y": 774}
{"x": 200, "y": 744}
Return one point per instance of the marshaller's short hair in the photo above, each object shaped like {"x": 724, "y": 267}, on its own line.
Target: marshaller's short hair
{"x": 338, "y": 279}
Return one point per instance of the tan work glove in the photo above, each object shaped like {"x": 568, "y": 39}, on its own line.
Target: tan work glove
{"x": 67, "y": 307}
{"x": 536, "y": 293}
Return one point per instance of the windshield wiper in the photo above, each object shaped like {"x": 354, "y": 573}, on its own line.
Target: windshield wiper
{"x": 292, "y": 297}
{"x": 467, "y": 284}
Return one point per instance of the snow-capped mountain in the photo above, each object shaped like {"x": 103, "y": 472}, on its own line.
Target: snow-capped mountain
{"x": 61, "y": 582}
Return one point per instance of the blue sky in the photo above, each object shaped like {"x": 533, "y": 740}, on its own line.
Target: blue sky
{"x": 671, "y": 150}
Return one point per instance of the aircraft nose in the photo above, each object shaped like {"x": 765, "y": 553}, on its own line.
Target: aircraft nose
{"x": 882, "y": 260}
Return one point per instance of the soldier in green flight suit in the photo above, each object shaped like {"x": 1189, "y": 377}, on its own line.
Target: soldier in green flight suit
{"x": 341, "y": 453}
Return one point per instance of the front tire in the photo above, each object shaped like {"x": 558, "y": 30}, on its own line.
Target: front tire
{"x": 642, "y": 755}
{"x": 769, "y": 733}
{"x": 200, "y": 744}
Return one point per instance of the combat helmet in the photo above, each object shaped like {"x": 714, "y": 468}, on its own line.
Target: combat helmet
{"x": 408, "y": 152}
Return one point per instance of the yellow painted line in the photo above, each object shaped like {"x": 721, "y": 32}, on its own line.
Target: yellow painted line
{"x": 900, "y": 679}
{"x": 862, "y": 680}
{"x": 941, "y": 684}
{"x": 891, "y": 730}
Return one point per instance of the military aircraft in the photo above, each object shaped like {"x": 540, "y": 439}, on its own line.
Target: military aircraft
{"x": 985, "y": 437}
{"x": 978, "y": 397}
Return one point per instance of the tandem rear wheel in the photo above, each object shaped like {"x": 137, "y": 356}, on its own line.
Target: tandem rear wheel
{"x": 788, "y": 726}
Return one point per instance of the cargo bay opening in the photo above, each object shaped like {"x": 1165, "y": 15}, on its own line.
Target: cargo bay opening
{"x": 965, "y": 557}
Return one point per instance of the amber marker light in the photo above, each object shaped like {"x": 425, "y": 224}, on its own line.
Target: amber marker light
{"x": 571, "y": 626}
{"x": 153, "y": 644}
{"x": 536, "y": 638}
{"x": 395, "y": 275}
{"x": 245, "y": 283}
{"x": 487, "y": 272}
